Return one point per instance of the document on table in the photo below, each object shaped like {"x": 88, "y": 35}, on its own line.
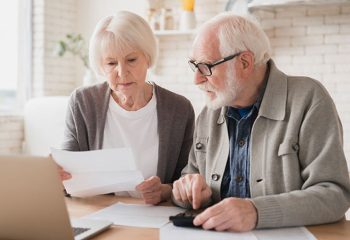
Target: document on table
{"x": 98, "y": 172}
{"x": 293, "y": 233}
{"x": 171, "y": 232}
{"x": 137, "y": 215}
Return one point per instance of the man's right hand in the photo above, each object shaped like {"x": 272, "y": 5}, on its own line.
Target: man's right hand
{"x": 192, "y": 189}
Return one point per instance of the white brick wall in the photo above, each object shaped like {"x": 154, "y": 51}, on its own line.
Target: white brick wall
{"x": 52, "y": 20}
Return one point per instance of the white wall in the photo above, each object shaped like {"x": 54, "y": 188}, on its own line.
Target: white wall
{"x": 52, "y": 20}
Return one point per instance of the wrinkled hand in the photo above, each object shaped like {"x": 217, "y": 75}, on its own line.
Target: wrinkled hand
{"x": 192, "y": 189}
{"x": 63, "y": 174}
{"x": 232, "y": 214}
{"x": 153, "y": 191}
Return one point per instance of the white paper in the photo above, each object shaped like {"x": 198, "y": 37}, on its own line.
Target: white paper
{"x": 98, "y": 172}
{"x": 171, "y": 232}
{"x": 137, "y": 215}
{"x": 295, "y": 233}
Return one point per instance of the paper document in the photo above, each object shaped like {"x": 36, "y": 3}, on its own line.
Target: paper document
{"x": 171, "y": 232}
{"x": 137, "y": 215}
{"x": 293, "y": 233}
{"x": 98, "y": 172}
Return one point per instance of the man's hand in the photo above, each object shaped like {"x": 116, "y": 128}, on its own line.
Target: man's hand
{"x": 232, "y": 214}
{"x": 153, "y": 191}
{"x": 192, "y": 189}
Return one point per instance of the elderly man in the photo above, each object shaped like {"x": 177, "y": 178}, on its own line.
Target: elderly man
{"x": 268, "y": 147}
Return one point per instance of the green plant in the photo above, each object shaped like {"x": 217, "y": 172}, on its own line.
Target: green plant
{"x": 75, "y": 44}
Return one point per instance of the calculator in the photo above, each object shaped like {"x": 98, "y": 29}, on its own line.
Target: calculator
{"x": 185, "y": 219}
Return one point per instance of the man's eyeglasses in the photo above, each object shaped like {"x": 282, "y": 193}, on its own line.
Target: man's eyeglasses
{"x": 205, "y": 68}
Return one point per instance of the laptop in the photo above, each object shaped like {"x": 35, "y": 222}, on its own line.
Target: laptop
{"x": 32, "y": 203}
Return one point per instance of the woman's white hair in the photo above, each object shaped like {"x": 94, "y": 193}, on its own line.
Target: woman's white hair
{"x": 124, "y": 30}
{"x": 238, "y": 33}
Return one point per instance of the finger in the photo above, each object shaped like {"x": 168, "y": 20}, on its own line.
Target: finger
{"x": 152, "y": 201}
{"x": 227, "y": 225}
{"x": 149, "y": 184}
{"x": 152, "y": 198}
{"x": 197, "y": 192}
{"x": 188, "y": 190}
{"x": 151, "y": 194}
{"x": 182, "y": 192}
{"x": 206, "y": 214}
{"x": 65, "y": 175}
{"x": 216, "y": 220}
{"x": 175, "y": 191}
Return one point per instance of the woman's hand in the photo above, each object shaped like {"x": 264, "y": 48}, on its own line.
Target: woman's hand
{"x": 63, "y": 174}
{"x": 153, "y": 191}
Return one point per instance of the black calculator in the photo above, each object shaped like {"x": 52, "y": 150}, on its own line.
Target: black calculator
{"x": 185, "y": 219}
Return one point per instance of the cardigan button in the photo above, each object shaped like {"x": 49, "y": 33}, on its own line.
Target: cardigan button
{"x": 239, "y": 179}
{"x": 199, "y": 146}
{"x": 215, "y": 177}
{"x": 295, "y": 147}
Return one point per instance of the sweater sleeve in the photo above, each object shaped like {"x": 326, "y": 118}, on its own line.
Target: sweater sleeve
{"x": 70, "y": 139}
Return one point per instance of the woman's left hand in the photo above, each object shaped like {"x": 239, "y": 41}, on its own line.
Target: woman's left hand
{"x": 153, "y": 191}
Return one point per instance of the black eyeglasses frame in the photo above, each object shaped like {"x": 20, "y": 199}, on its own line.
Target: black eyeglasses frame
{"x": 194, "y": 65}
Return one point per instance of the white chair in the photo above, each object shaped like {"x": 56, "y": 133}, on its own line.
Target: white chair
{"x": 44, "y": 120}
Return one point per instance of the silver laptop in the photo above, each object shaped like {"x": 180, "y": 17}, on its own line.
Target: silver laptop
{"x": 32, "y": 204}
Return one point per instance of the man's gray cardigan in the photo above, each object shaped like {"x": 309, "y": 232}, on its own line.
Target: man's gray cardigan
{"x": 299, "y": 174}
{"x": 86, "y": 117}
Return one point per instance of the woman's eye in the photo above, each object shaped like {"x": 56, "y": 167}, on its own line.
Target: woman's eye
{"x": 132, "y": 60}
{"x": 111, "y": 63}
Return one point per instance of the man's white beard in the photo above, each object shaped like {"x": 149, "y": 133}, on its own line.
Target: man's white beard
{"x": 224, "y": 97}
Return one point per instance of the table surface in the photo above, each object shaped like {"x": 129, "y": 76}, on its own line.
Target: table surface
{"x": 79, "y": 207}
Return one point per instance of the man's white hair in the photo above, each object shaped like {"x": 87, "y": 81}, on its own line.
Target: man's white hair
{"x": 240, "y": 33}
{"x": 124, "y": 30}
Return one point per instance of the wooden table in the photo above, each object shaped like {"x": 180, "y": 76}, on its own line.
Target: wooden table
{"x": 80, "y": 207}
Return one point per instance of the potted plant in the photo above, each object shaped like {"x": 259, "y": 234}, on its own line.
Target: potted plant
{"x": 75, "y": 44}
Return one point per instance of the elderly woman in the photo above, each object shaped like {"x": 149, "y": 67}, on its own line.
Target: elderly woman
{"x": 128, "y": 111}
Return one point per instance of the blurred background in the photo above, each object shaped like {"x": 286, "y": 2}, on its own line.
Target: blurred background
{"x": 308, "y": 37}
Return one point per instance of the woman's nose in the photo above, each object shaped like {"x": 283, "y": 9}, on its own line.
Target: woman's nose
{"x": 121, "y": 70}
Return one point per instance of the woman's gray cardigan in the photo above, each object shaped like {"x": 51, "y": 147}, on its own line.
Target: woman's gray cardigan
{"x": 86, "y": 117}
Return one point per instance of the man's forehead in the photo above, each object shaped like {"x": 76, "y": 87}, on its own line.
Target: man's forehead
{"x": 205, "y": 49}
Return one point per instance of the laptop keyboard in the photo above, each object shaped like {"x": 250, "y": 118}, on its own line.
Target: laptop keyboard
{"x": 79, "y": 230}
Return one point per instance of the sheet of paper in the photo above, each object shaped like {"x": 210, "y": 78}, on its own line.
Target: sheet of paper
{"x": 137, "y": 215}
{"x": 295, "y": 233}
{"x": 171, "y": 232}
{"x": 98, "y": 172}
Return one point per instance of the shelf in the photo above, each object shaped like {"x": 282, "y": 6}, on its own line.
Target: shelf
{"x": 262, "y": 4}
{"x": 174, "y": 32}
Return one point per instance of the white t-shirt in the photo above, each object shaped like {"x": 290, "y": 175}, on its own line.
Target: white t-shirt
{"x": 137, "y": 130}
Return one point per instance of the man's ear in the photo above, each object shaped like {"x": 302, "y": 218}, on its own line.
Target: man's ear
{"x": 247, "y": 59}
